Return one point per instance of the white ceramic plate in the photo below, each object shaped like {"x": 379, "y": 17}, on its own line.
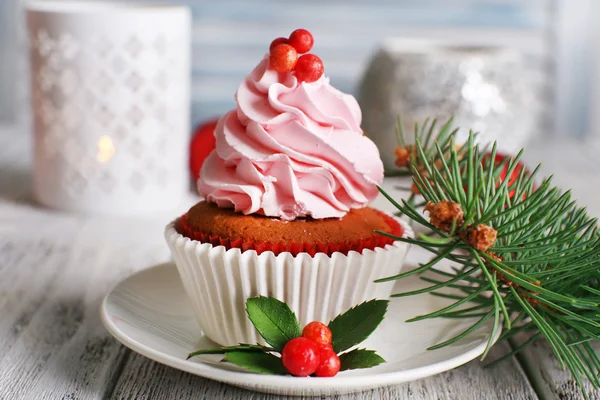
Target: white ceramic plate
{"x": 149, "y": 313}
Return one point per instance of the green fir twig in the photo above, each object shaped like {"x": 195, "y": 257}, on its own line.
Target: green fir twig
{"x": 543, "y": 267}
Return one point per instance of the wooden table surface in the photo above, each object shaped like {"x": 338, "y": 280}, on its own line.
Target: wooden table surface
{"x": 55, "y": 268}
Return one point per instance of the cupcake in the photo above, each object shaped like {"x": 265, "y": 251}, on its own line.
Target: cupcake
{"x": 286, "y": 207}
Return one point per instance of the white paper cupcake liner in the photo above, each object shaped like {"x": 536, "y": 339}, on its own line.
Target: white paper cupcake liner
{"x": 218, "y": 282}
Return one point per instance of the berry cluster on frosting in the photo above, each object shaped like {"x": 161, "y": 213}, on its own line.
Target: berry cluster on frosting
{"x": 284, "y": 56}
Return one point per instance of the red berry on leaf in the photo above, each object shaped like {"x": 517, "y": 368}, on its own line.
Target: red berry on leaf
{"x": 300, "y": 356}
{"x": 277, "y": 42}
{"x": 329, "y": 366}
{"x": 309, "y": 68}
{"x": 302, "y": 40}
{"x": 203, "y": 142}
{"x": 283, "y": 58}
{"x": 318, "y": 332}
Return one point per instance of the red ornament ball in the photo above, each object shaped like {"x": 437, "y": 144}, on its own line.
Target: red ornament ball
{"x": 515, "y": 174}
{"x": 329, "y": 366}
{"x": 309, "y": 68}
{"x": 300, "y": 356}
{"x": 318, "y": 332}
{"x": 277, "y": 42}
{"x": 512, "y": 179}
{"x": 283, "y": 58}
{"x": 302, "y": 40}
{"x": 203, "y": 142}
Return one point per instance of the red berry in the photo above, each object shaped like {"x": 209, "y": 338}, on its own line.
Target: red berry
{"x": 309, "y": 68}
{"x": 300, "y": 356}
{"x": 323, "y": 347}
{"x": 329, "y": 366}
{"x": 318, "y": 332}
{"x": 277, "y": 42}
{"x": 203, "y": 142}
{"x": 302, "y": 40}
{"x": 283, "y": 58}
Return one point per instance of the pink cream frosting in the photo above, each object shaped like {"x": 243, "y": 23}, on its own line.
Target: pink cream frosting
{"x": 291, "y": 150}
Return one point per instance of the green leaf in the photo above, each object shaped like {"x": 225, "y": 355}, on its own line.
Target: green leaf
{"x": 262, "y": 363}
{"x": 227, "y": 349}
{"x": 356, "y": 324}
{"x": 274, "y": 320}
{"x": 359, "y": 358}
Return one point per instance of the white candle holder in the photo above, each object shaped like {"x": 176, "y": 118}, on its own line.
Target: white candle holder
{"x": 110, "y": 97}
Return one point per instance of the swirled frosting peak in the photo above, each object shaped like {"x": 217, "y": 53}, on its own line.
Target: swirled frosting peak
{"x": 291, "y": 149}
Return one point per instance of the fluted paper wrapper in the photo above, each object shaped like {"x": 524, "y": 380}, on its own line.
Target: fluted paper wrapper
{"x": 218, "y": 282}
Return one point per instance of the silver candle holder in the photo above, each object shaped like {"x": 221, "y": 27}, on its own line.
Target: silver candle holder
{"x": 486, "y": 89}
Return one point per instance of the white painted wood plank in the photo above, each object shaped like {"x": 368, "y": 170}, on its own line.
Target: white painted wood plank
{"x": 145, "y": 379}
{"x": 546, "y": 375}
{"x": 54, "y": 345}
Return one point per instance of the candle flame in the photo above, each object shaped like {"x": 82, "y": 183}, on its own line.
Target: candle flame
{"x": 106, "y": 149}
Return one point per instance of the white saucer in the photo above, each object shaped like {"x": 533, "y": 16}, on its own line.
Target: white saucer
{"x": 149, "y": 313}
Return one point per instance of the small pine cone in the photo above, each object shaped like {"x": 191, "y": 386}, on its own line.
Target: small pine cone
{"x": 443, "y": 214}
{"x": 499, "y": 275}
{"x": 502, "y": 278}
{"x": 534, "y": 302}
{"x": 424, "y": 175}
{"x": 495, "y": 257}
{"x": 481, "y": 237}
{"x": 403, "y": 156}
{"x": 414, "y": 189}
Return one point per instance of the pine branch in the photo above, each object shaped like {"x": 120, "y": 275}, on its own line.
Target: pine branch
{"x": 531, "y": 252}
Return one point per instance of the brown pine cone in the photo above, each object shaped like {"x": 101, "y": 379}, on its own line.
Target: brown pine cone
{"x": 481, "y": 237}
{"x": 444, "y": 214}
{"x": 403, "y": 155}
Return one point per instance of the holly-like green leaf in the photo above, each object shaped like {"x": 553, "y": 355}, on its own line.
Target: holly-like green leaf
{"x": 356, "y": 324}
{"x": 274, "y": 320}
{"x": 262, "y": 363}
{"x": 252, "y": 348}
{"x": 359, "y": 358}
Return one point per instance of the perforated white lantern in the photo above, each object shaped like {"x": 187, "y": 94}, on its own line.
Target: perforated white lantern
{"x": 110, "y": 97}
